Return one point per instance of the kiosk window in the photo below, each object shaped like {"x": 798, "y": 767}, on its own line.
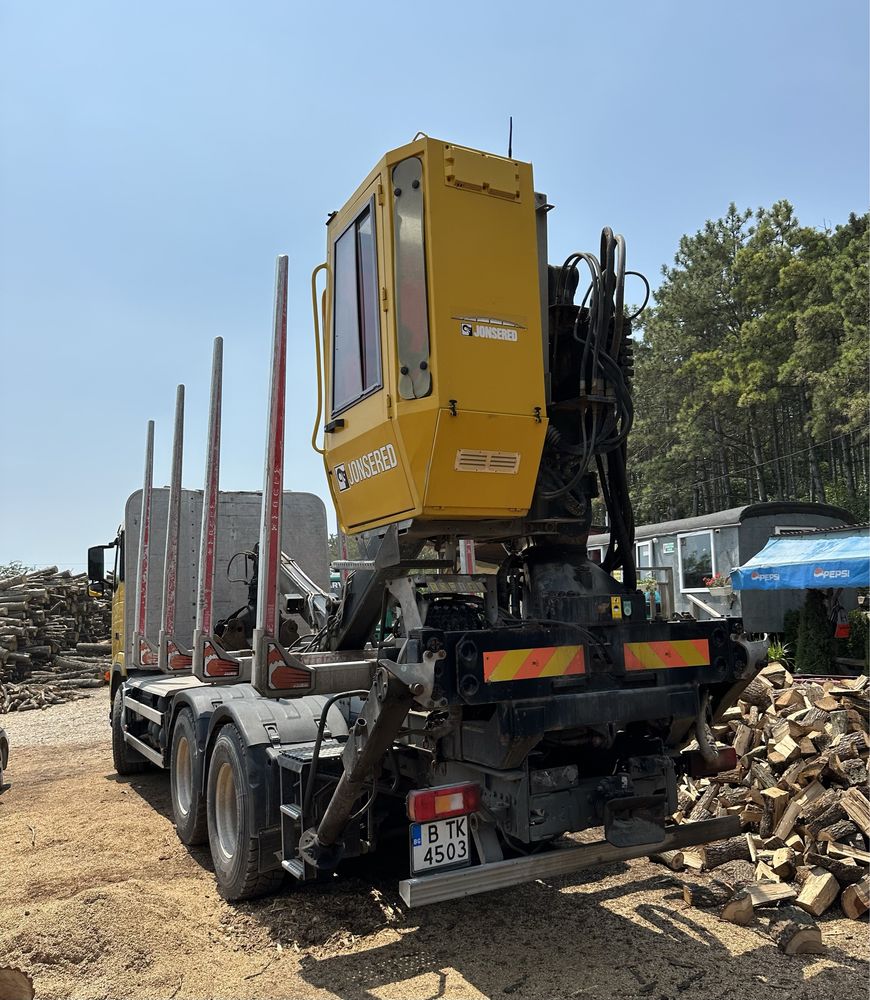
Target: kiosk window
{"x": 696, "y": 560}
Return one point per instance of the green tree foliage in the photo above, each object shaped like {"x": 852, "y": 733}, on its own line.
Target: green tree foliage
{"x": 353, "y": 548}
{"x": 751, "y": 376}
{"x": 857, "y": 645}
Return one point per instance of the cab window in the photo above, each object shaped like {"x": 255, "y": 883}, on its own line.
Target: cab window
{"x": 356, "y": 359}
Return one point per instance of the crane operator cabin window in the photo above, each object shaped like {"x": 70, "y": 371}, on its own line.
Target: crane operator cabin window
{"x": 356, "y": 334}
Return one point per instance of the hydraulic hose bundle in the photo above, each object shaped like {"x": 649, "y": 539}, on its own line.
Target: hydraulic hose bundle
{"x": 592, "y": 411}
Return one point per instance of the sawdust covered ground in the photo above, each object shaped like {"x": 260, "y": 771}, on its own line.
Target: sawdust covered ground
{"x": 99, "y": 899}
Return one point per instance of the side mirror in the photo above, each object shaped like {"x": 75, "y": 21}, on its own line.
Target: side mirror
{"x": 97, "y": 568}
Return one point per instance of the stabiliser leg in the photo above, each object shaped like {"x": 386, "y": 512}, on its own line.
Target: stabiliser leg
{"x": 374, "y": 731}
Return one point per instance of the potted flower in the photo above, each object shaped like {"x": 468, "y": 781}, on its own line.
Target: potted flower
{"x": 718, "y": 585}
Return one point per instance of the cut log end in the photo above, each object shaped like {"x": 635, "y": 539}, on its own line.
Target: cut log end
{"x": 795, "y": 932}
{"x": 739, "y": 909}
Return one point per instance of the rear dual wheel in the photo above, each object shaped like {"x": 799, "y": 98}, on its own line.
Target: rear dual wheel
{"x": 233, "y": 833}
{"x": 185, "y": 780}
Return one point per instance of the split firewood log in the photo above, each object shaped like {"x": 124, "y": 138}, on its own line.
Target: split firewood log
{"x": 795, "y": 932}
{"x": 672, "y": 859}
{"x": 855, "y": 900}
{"x": 845, "y": 870}
{"x": 738, "y": 909}
{"x": 707, "y": 895}
{"x": 733, "y": 849}
{"x": 817, "y": 893}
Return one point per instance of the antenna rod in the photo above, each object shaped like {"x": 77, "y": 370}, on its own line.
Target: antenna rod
{"x": 510, "y": 137}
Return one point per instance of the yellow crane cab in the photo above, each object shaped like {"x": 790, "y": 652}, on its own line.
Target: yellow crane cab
{"x": 434, "y": 402}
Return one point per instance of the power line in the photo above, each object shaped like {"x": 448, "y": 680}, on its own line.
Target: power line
{"x": 771, "y": 461}
{"x": 747, "y": 470}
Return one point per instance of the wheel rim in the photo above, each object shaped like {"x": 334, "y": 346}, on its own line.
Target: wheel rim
{"x": 183, "y": 776}
{"x": 226, "y": 813}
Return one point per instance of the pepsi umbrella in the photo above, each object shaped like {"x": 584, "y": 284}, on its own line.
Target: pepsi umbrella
{"x": 815, "y": 561}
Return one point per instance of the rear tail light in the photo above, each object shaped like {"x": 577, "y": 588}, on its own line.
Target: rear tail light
{"x": 697, "y": 767}
{"x": 428, "y": 804}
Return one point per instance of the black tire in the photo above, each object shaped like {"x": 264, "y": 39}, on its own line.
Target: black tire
{"x": 125, "y": 758}
{"x": 185, "y": 782}
{"x": 232, "y": 822}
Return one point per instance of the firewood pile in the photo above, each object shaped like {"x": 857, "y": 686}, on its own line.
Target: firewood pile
{"x": 54, "y": 638}
{"x": 800, "y": 790}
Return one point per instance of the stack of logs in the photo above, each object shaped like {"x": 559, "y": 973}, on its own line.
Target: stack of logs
{"x": 800, "y": 790}
{"x": 53, "y": 639}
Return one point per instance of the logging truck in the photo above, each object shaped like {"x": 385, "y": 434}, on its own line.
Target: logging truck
{"x": 480, "y": 688}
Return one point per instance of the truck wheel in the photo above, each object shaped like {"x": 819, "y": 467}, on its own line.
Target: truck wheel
{"x": 124, "y": 757}
{"x": 232, "y": 830}
{"x": 185, "y": 782}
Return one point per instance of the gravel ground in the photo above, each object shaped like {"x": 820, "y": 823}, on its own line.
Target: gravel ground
{"x": 99, "y": 899}
{"x": 83, "y": 721}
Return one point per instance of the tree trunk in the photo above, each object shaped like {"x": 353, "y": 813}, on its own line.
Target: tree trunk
{"x": 757, "y": 456}
{"x": 777, "y": 463}
{"x": 846, "y": 448}
{"x": 723, "y": 463}
{"x": 815, "y": 472}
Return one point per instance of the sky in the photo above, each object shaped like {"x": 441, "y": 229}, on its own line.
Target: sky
{"x": 154, "y": 159}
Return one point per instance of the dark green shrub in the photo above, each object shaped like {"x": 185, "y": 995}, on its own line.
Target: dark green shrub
{"x": 815, "y": 644}
{"x": 858, "y": 643}
{"x": 790, "y": 626}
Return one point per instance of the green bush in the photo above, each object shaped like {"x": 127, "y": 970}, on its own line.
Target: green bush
{"x": 815, "y": 645}
{"x": 790, "y": 626}
{"x": 858, "y": 643}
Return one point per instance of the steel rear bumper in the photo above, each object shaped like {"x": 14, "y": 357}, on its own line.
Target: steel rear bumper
{"x": 441, "y": 886}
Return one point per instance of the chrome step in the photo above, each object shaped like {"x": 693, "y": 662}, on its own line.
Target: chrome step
{"x": 295, "y": 867}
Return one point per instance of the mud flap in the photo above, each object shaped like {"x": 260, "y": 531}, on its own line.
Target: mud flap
{"x": 635, "y": 820}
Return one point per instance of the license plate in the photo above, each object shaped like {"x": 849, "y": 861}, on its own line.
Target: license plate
{"x": 442, "y": 843}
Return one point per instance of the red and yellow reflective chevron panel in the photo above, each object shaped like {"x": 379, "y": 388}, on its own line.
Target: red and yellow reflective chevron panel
{"x": 281, "y": 674}
{"x": 663, "y": 655}
{"x": 214, "y": 665}
{"x": 527, "y": 664}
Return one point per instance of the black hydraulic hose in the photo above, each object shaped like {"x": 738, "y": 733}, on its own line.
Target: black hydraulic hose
{"x": 643, "y": 306}
{"x": 607, "y": 561}
{"x": 608, "y": 284}
{"x": 315, "y": 754}
{"x": 616, "y": 348}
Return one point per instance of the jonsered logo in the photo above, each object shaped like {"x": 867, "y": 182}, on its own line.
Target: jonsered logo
{"x": 830, "y": 574}
{"x": 373, "y": 463}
